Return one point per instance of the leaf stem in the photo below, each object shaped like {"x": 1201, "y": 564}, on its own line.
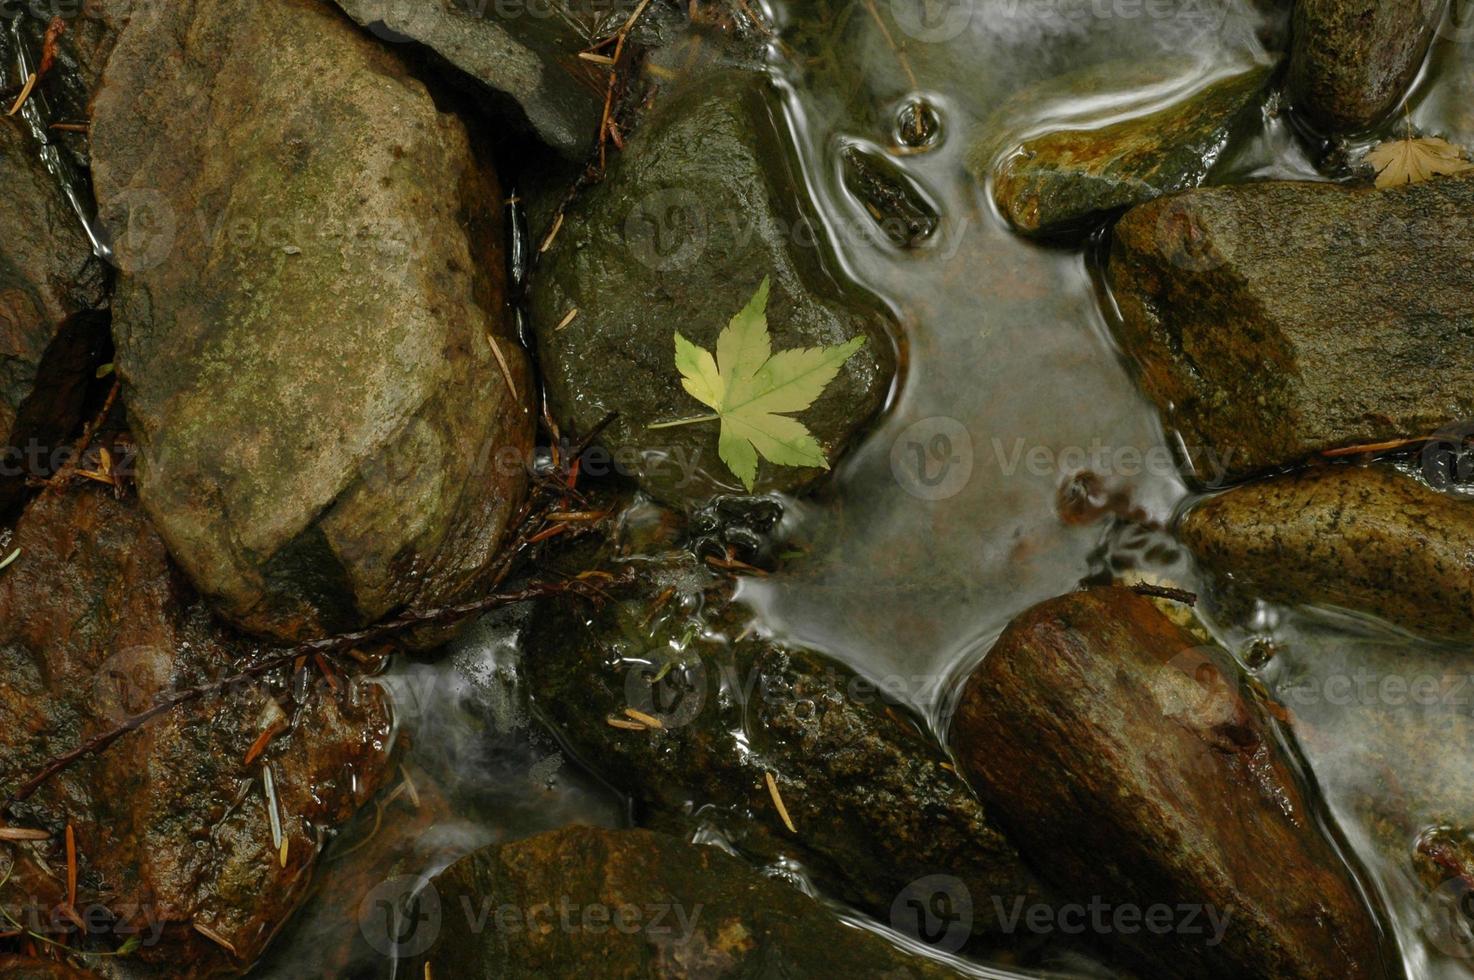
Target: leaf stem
{"x": 690, "y": 421}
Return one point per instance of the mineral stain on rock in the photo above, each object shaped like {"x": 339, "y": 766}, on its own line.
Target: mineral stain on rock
{"x": 332, "y": 415}
{"x": 1132, "y": 765}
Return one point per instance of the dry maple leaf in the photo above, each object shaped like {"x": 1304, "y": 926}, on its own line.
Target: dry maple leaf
{"x": 1412, "y": 161}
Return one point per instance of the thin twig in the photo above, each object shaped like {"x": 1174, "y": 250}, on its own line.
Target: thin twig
{"x": 1165, "y": 592}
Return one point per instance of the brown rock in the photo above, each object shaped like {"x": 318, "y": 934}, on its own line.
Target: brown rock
{"x": 312, "y": 340}
{"x": 1352, "y": 61}
{"x": 1272, "y": 321}
{"x": 1132, "y": 767}
{"x": 1366, "y": 538}
{"x": 53, "y": 321}
{"x": 172, "y": 828}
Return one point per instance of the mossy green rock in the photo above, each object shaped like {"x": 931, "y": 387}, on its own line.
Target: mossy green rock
{"x": 1364, "y": 538}
{"x": 875, "y": 804}
{"x": 1072, "y": 180}
{"x": 310, "y": 334}
{"x": 1273, "y": 321}
{"x": 590, "y": 902}
{"x": 53, "y": 319}
{"x": 1352, "y": 61}
{"x": 701, "y": 205}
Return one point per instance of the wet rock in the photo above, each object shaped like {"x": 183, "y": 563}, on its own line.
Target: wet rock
{"x": 1134, "y": 768}
{"x": 331, "y": 411}
{"x": 53, "y": 321}
{"x": 632, "y": 903}
{"x": 697, "y": 210}
{"x": 1071, "y": 180}
{"x": 1275, "y": 320}
{"x": 1352, "y": 61}
{"x": 898, "y": 207}
{"x": 525, "y": 53}
{"x": 1365, "y": 538}
{"x": 172, "y": 827}
{"x": 874, "y": 802}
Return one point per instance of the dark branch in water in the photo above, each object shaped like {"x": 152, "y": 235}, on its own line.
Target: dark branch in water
{"x": 1164, "y": 592}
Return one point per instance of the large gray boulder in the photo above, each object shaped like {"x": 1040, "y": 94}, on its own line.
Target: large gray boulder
{"x": 525, "y": 51}
{"x": 700, "y": 207}
{"x": 332, "y": 415}
{"x": 1273, "y": 321}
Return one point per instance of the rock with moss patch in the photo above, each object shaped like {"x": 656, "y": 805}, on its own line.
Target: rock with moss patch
{"x": 1273, "y": 321}
{"x": 703, "y": 203}
{"x": 631, "y": 903}
{"x": 333, "y": 417}
{"x": 1352, "y": 61}
{"x": 1071, "y": 180}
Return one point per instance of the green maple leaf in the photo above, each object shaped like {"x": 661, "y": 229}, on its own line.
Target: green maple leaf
{"x": 750, "y": 388}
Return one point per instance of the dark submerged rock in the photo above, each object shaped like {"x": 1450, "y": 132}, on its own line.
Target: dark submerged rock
{"x": 172, "y": 827}
{"x": 631, "y": 903}
{"x": 1365, "y": 538}
{"x": 53, "y": 316}
{"x": 1071, "y": 180}
{"x": 1352, "y": 61}
{"x": 1273, "y": 321}
{"x": 697, "y": 210}
{"x": 1132, "y": 765}
{"x": 309, "y": 344}
{"x": 875, "y": 802}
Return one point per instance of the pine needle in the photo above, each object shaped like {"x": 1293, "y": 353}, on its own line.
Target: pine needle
{"x": 506, "y": 370}
{"x": 22, "y": 834}
{"x": 627, "y": 725}
{"x": 25, "y": 93}
{"x": 568, "y": 318}
{"x": 215, "y": 938}
{"x": 778, "y": 802}
{"x": 649, "y": 721}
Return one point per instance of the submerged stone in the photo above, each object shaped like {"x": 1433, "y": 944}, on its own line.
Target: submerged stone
{"x": 1353, "y": 61}
{"x": 332, "y": 414}
{"x": 1135, "y": 768}
{"x": 1274, "y": 321}
{"x": 174, "y": 832}
{"x": 874, "y": 803}
{"x": 631, "y": 903}
{"x": 1364, "y": 538}
{"x": 699, "y": 208}
{"x": 53, "y": 316}
{"x": 1071, "y": 180}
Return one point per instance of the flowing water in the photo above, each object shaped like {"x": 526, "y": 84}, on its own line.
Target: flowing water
{"x": 1016, "y": 461}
